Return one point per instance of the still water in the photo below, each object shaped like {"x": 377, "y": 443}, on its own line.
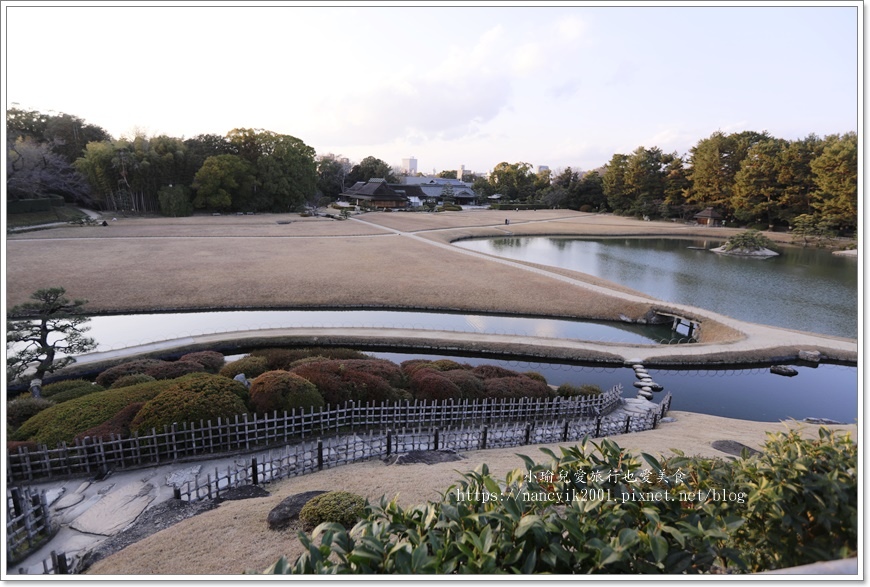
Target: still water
{"x": 803, "y": 289}
{"x": 116, "y": 332}
{"x": 825, "y": 391}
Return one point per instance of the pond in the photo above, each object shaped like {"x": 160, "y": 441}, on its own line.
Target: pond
{"x": 804, "y": 288}
{"x": 116, "y": 332}
{"x": 825, "y": 391}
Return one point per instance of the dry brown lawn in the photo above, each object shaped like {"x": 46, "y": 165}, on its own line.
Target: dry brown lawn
{"x": 235, "y": 537}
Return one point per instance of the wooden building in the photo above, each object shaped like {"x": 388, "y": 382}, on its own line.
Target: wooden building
{"x": 708, "y": 217}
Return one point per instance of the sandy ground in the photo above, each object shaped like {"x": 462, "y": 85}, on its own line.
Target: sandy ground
{"x": 235, "y": 537}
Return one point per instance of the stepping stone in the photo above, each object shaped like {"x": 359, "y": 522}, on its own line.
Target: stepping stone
{"x": 69, "y": 500}
{"x": 115, "y": 511}
{"x": 732, "y": 447}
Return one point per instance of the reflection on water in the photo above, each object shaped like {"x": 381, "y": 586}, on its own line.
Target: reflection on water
{"x": 826, "y": 391}
{"x": 804, "y": 289}
{"x": 113, "y": 332}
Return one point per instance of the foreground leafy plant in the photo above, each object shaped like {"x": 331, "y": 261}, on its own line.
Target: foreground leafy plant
{"x": 598, "y": 509}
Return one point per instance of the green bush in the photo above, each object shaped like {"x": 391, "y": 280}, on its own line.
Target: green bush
{"x": 750, "y": 240}
{"x": 471, "y": 386}
{"x": 362, "y": 380}
{"x": 493, "y": 371}
{"x": 516, "y": 387}
{"x": 57, "y": 387}
{"x": 128, "y": 380}
{"x": 212, "y": 361}
{"x": 337, "y": 507}
{"x": 192, "y": 398}
{"x": 431, "y": 385}
{"x": 110, "y": 375}
{"x": 22, "y": 408}
{"x": 62, "y": 422}
{"x": 283, "y": 391}
{"x": 587, "y": 389}
{"x": 119, "y": 424}
{"x": 579, "y": 513}
{"x": 536, "y": 376}
{"x": 251, "y": 366}
{"x": 174, "y": 369}
{"x": 75, "y": 393}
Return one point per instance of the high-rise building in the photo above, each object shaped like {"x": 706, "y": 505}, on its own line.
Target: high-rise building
{"x": 409, "y": 166}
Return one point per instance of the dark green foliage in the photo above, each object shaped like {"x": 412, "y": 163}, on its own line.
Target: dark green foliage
{"x": 337, "y": 507}
{"x": 21, "y": 409}
{"x": 447, "y": 365}
{"x": 192, "y": 398}
{"x": 750, "y": 240}
{"x": 211, "y": 360}
{"x": 283, "y": 359}
{"x": 128, "y": 380}
{"x": 63, "y": 422}
{"x": 471, "y": 386}
{"x": 119, "y": 424}
{"x": 174, "y": 369}
{"x": 251, "y": 366}
{"x": 57, "y": 387}
{"x": 412, "y": 366}
{"x": 538, "y": 520}
{"x": 587, "y": 389}
{"x": 361, "y": 380}
{"x": 536, "y": 376}
{"x": 493, "y": 371}
{"x": 431, "y": 385}
{"x": 283, "y": 391}
{"x": 76, "y": 392}
{"x": 110, "y": 375}
{"x": 508, "y": 387}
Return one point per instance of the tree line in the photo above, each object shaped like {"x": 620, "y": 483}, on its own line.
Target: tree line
{"x": 748, "y": 177}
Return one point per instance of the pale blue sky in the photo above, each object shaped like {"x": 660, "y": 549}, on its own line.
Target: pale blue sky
{"x": 566, "y": 85}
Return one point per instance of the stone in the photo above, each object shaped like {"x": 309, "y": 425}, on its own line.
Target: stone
{"x": 115, "y": 511}
{"x": 427, "y": 457}
{"x": 69, "y": 500}
{"x": 821, "y": 421}
{"x": 668, "y": 419}
{"x": 179, "y": 477}
{"x": 783, "y": 370}
{"x": 811, "y": 356}
{"x": 243, "y": 380}
{"x": 283, "y": 514}
{"x": 732, "y": 447}
{"x": 645, "y": 394}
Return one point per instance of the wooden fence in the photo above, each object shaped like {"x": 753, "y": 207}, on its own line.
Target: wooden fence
{"x": 91, "y": 456}
{"x": 28, "y": 522}
{"x": 319, "y": 454}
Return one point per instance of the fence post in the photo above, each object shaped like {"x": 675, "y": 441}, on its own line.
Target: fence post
{"x": 436, "y": 439}
{"x": 16, "y": 500}
{"x": 565, "y": 432}
{"x": 254, "y": 470}
{"x": 598, "y": 427}
{"x": 528, "y": 433}
{"x": 389, "y": 442}
{"x": 62, "y": 567}
{"x": 627, "y": 423}
{"x": 483, "y": 437}
{"x": 319, "y": 454}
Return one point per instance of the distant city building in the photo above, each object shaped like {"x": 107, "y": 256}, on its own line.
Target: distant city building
{"x": 543, "y": 168}
{"x": 409, "y": 166}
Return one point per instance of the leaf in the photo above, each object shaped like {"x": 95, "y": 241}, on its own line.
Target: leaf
{"x": 659, "y": 547}
{"x": 526, "y": 524}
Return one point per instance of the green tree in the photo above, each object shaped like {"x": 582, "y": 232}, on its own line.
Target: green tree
{"x": 371, "y": 167}
{"x": 448, "y": 174}
{"x": 807, "y": 229}
{"x": 514, "y": 181}
{"x": 589, "y": 191}
{"x": 758, "y": 192}
{"x": 175, "y": 201}
{"x": 616, "y": 188}
{"x": 836, "y": 173}
{"x": 645, "y": 181}
{"x": 286, "y": 172}
{"x": 223, "y": 182}
{"x": 331, "y": 174}
{"x": 38, "y": 332}
{"x": 447, "y": 192}
{"x": 796, "y": 176}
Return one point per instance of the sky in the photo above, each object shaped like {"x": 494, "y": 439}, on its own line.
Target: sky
{"x": 567, "y": 84}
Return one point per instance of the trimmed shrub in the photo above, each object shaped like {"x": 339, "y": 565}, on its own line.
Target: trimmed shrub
{"x": 280, "y": 359}
{"x": 750, "y": 240}
{"x": 306, "y": 361}
{"x": 22, "y": 408}
{"x": 362, "y": 380}
{"x": 110, "y": 375}
{"x": 12, "y": 446}
{"x": 338, "y": 507}
{"x": 430, "y": 385}
{"x": 57, "y": 387}
{"x": 75, "y": 393}
{"x": 119, "y": 424}
{"x": 412, "y": 366}
{"x": 62, "y": 422}
{"x": 508, "y": 387}
{"x": 330, "y": 385}
{"x": 493, "y": 371}
{"x": 174, "y": 369}
{"x": 282, "y": 390}
{"x": 192, "y": 398}
{"x": 587, "y": 389}
{"x": 447, "y": 365}
{"x": 471, "y": 386}
{"x": 211, "y": 360}
{"x": 128, "y": 380}
{"x": 536, "y": 376}
{"x": 251, "y": 366}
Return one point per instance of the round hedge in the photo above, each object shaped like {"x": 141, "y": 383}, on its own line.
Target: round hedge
{"x": 57, "y": 387}
{"x": 430, "y": 385}
{"x": 62, "y": 422}
{"x": 283, "y": 391}
{"x": 471, "y": 386}
{"x": 212, "y": 361}
{"x": 174, "y": 369}
{"x": 112, "y": 374}
{"x": 587, "y": 389}
{"x": 128, "y": 380}
{"x": 516, "y": 387}
{"x": 22, "y": 408}
{"x": 192, "y": 398}
{"x": 494, "y": 371}
{"x": 75, "y": 392}
{"x": 340, "y": 507}
{"x": 362, "y": 380}
{"x": 119, "y": 424}
{"x": 250, "y": 366}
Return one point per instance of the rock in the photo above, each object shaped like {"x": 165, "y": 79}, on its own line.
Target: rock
{"x": 811, "y": 356}
{"x": 668, "y": 419}
{"x": 288, "y": 510}
{"x": 115, "y": 511}
{"x": 645, "y": 394}
{"x": 243, "y": 380}
{"x": 427, "y": 457}
{"x": 752, "y": 254}
{"x": 179, "y": 477}
{"x": 821, "y": 421}
{"x": 52, "y": 495}
{"x": 69, "y": 500}
{"x": 625, "y": 318}
{"x": 641, "y": 374}
{"x": 783, "y": 370}
{"x": 242, "y": 492}
{"x": 732, "y": 447}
